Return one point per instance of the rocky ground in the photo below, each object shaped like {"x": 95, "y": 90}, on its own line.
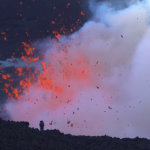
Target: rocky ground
{"x": 19, "y": 136}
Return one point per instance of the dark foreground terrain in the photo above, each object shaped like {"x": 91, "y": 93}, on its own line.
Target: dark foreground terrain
{"x": 18, "y": 136}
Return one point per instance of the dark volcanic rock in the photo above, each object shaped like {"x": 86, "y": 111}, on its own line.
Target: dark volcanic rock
{"x": 18, "y": 136}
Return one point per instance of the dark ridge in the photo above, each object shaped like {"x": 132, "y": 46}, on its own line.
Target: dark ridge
{"x": 19, "y": 136}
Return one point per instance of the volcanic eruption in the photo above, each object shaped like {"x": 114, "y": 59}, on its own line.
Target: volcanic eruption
{"x": 94, "y": 81}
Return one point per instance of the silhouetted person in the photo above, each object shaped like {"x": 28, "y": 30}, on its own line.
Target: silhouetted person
{"x": 41, "y": 125}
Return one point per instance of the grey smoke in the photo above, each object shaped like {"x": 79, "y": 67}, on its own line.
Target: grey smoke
{"x": 115, "y": 99}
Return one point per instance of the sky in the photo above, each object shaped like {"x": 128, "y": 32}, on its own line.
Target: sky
{"x": 93, "y": 81}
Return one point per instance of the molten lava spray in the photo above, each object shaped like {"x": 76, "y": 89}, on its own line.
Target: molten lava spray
{"x": 93, "y": 82}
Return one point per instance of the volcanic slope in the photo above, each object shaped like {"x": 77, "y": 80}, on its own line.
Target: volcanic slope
{"x": 19, "y": 136}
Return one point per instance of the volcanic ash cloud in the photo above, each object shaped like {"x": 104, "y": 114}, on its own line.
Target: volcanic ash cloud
{"x": 99, "y": 77}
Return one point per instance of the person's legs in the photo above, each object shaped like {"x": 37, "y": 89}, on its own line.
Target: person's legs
{"x": 41, "y": 128}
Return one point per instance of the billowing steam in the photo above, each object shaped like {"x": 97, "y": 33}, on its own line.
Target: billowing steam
{"x": 95, "y": 81}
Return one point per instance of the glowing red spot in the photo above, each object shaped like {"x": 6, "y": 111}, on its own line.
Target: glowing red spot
{"x": 3, "y": 33}
{"x": 68, "y": 5}
{"x": 53, "y": 22}
{"x": 5, "y": 38}
{"x": 82, "y": 13}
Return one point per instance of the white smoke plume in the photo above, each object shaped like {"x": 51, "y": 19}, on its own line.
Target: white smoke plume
{"x": 105, "y": 76}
